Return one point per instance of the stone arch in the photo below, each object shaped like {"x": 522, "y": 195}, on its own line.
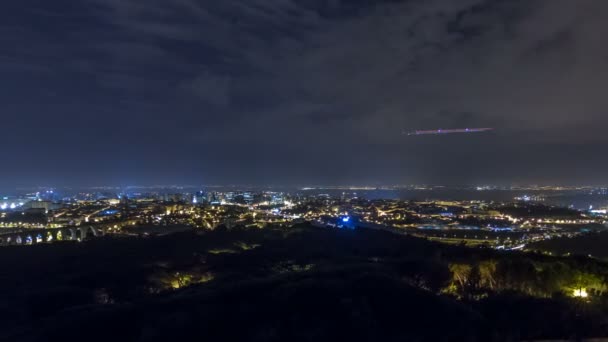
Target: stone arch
{"x": 67, "y": 234}
{"x": 88, "y": 232}
{"x": 95, "y": 231}
{"x": 81, "y": 233}
{"x": 29, "y": 240}
{"x": 15, "y": 240}
{"x": 73, "y": 234}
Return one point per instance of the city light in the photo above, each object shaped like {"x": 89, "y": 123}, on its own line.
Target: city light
{"x": 580, "y": 293}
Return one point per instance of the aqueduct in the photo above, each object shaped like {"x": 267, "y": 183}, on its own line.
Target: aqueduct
{"x": 36, "y": 236}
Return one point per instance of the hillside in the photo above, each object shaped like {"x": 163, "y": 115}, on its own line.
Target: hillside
{"x": 298, "y": 284}
{"x": 592, "y": 244}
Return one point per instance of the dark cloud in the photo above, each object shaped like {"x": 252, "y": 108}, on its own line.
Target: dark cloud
{"x": 303, "y": 91}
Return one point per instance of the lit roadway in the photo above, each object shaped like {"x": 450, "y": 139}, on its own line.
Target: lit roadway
{"x": 95, "y": 213}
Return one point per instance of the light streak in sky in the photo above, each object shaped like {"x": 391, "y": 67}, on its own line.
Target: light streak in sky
{"x": 451, "y": 131}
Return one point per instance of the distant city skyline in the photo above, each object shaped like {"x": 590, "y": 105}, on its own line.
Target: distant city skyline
{"x": 353, "y": 187}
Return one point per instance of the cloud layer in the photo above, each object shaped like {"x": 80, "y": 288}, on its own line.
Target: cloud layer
{"x": 305, "y": 91}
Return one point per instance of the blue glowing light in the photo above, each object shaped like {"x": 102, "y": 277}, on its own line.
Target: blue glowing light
{"x": 345, "y": 219}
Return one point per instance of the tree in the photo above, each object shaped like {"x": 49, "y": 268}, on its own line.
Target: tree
{"x": 487, "y": 270}
{"x": 460, "y": 276}
{"x": 582, "y": 282}
{"x": 429, "y": 275}
{"x": 472, "y": 288}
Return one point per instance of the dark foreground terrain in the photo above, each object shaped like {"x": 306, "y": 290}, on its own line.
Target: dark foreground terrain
{"x": 594, "y": 244}
{"x": 296, "y": 284}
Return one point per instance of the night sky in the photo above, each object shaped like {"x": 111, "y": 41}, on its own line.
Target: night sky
{"x": 302, "y": 92}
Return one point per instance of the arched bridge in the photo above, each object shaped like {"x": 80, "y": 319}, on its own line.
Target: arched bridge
{"x": 36, "y": 236}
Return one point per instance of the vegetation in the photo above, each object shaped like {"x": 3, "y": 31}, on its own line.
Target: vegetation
{"x": 591, "y": 244}
{"x": 295, "y": 284}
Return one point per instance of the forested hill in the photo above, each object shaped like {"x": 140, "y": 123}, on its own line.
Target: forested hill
{"x": 593, "y": 244}
{"x": 294, "y": 284}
